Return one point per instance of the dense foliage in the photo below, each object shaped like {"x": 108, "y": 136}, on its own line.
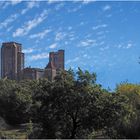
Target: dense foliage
{"x": 72, "y": 106}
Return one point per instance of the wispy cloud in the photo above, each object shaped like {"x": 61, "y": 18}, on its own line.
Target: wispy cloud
{"x": 39, "y": 56}
{"x": 9, "y": 28}
{"x": 87, "y": 1}
{"x": 75, "y": 9}
{"x": 125, "y": 45}
{"x": 40, "y": 35}
{"x": 106, "y": 7}
{"x": 51, "y": 1}
{"x": 109, "y": 15}
{"x": 59, "y": 36}
{"x": 9, "y": 20}
{"x": 72, "y": 60}
{"x": 69, "y": 28}
{"x": 59, "y": 6}
{"x": 24, "y": 30}
{"x": 86, "y": 56}
{"x": 87, "y": 43}
{"x": 72, "y": 36}
{"x": 52, "y": 46}
{"x": 5, "y": 4}
{"x": 104, "y": 48}
{"x": 29, "y": 50}
{"x": 99, "y": 26}
{"x": 30, "y": 5}
{"x": 82, "y": 23}
{"x": 14, "y": 2}
{"x": 101, "y": 43}
{"x": 129, "y": 45}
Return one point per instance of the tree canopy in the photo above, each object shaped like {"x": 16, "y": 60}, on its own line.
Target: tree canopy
{"x": 73, "y": 105}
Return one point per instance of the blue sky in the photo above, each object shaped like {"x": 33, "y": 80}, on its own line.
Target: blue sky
{"x": 99, "y": 36}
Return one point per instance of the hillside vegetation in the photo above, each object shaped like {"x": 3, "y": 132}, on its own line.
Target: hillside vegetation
{"x": 72, "y": 106}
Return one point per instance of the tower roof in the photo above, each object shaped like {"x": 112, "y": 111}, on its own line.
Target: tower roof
{"x": 11, "y": 43}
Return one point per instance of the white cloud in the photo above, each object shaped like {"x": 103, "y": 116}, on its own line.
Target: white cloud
{"x": 106, "y": 7}
{"x": 75, "y": 9}
{"x": 101, "y": 43}
{"x": 52, "y": 46}
{"x": 29, "y": 25}
{"x": 99, "y": 26}
{"x": 109, "y": 15}
{"x": 125, "y": 45}
{"x": 9, "y": 28}
{"x": 4, "y": 4}
{"x": 66, "y": 42}
{"x": 129, "y": 45}
{"x": 120, "y": 46}
{"x": 59, "y": 6}
{"x": 14, "y": 2}
{"x": 51, "y": 1}
{"x": 9, "y": 20}
{"x": 40, "y": 35}
{"x": 59, "y": 36}
{"x": 72, "y": 60}
{"x": 82, "y": 23}
{"x": 87, "y": 1}
{"x": 39, "y": 56}
{"x": 87, "y": 43}
{"x": 30, "y": 5}
{"x": 88, "y": 35}
{"x": 104, "y": 48}
{"x": 29, "y": 50}
{"x": 85, "y": 55}
{"x": 71, "y": 36}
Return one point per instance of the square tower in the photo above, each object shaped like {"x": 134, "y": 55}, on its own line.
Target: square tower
{"x": 57, "y": 58}
{"x": 12, "y": 60}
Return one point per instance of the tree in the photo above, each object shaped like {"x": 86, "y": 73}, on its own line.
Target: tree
{"x": 64, "y": 110}
{"x": 15, "y": 102}
{"x": 130, "y": 125}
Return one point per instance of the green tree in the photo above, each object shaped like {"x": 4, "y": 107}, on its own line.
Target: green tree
{"x": 69, "y": 105}
{"x": 15, "y": 102}
{"x": 130, "y": 125}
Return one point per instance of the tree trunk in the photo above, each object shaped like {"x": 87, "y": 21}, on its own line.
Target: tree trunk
{"x": 73, "y": 130}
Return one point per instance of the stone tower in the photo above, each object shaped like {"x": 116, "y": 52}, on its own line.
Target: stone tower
{"x": 57, "y": 58}
{"x": 12, "y": 60}
{"x": 50, "y": 71}
{"x": 56, "y": 63}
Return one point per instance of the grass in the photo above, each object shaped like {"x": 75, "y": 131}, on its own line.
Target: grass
{"x": 14, "y": 133}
